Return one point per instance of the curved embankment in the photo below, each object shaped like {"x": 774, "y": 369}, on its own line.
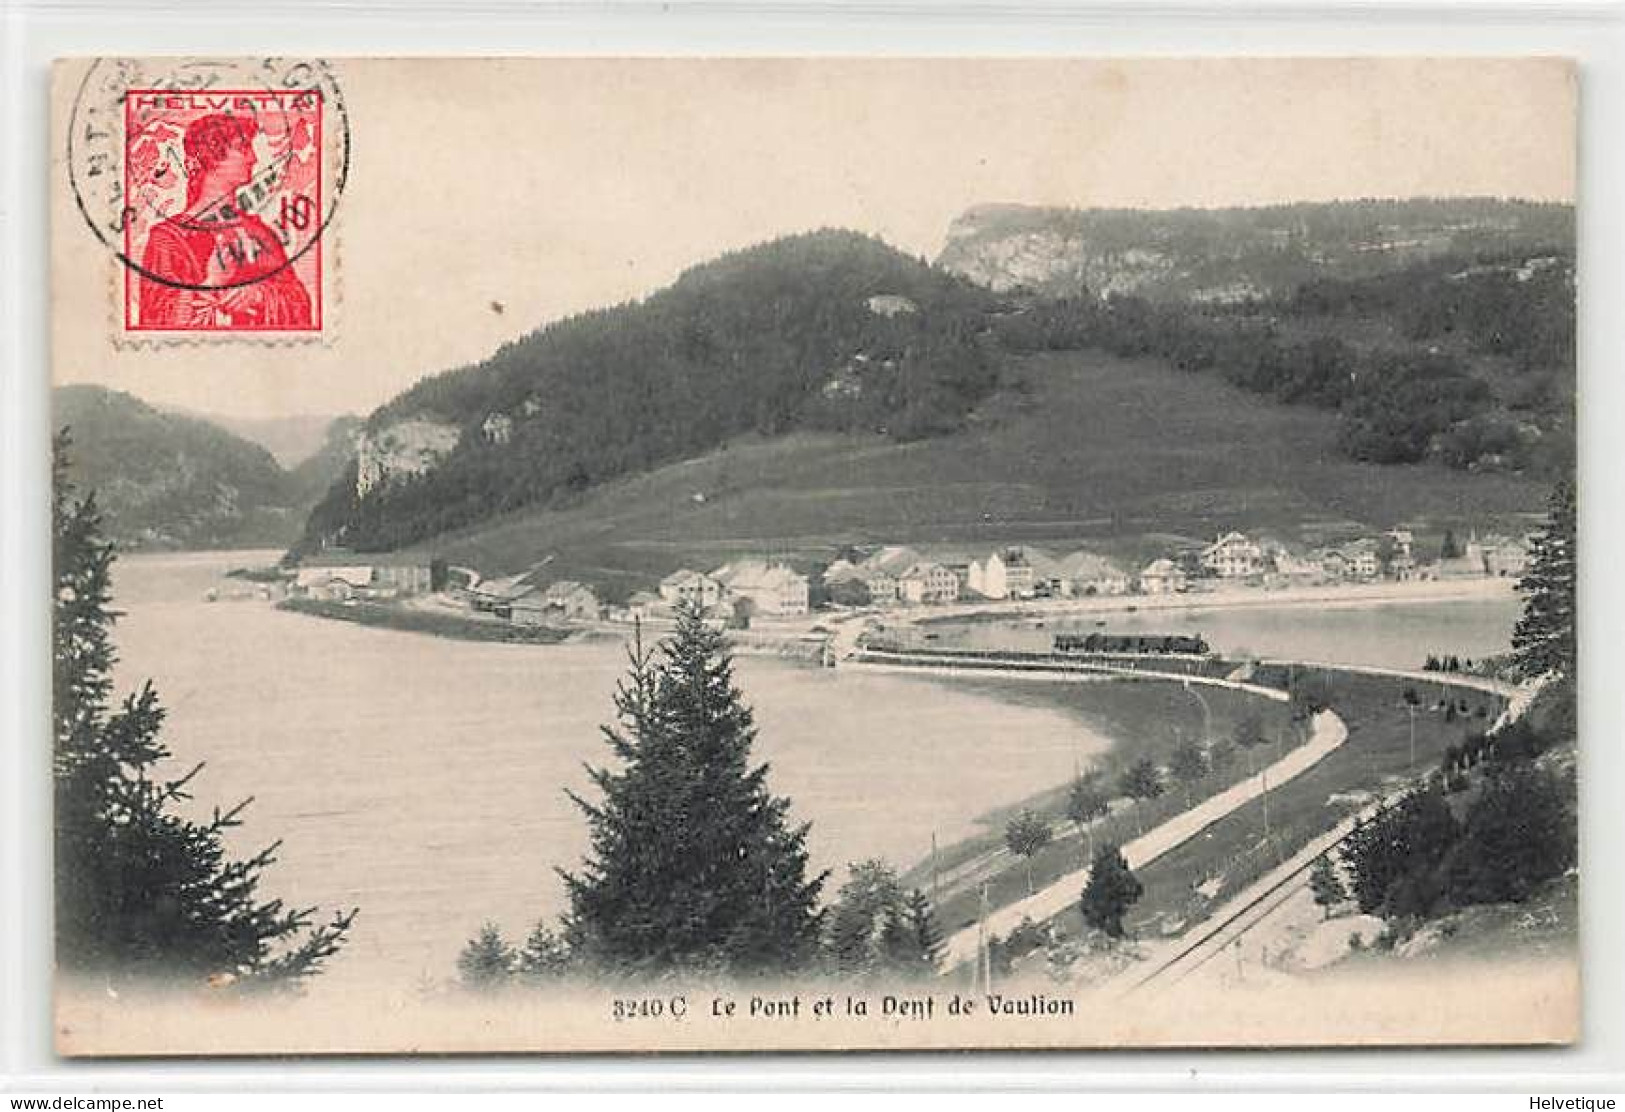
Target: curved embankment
{"x": 1009, "y": 666}
{"x": 1172, "y": 961}
{"x": 1328, "y": 733}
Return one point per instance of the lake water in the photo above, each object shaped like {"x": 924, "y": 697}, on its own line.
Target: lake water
{"x": 1384, "y": 635}
{"x": 423, "y": 779}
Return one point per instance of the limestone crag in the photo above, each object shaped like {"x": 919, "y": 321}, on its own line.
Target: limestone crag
{"x": 406, "y": 448}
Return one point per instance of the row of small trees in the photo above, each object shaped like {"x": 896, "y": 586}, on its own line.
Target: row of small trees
{"x": 1090, "y": 796}
{"x": 874, "y": 929}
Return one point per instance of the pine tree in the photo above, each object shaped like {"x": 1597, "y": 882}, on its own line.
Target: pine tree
{"x": 925, "y": 936}
{"x": 141, "y": 891}
{"x": 694, "y": 864}
{"x": 1543, "y": 642}
{"x": 1111, "y": 891}
{"x": 545, "y": 955}
{"x": 1518, "y": 833}
{"x": 1326, "y": 885}
{"x": 869, "y": 901}
{"x": 487, "y": 961}
{"x": 1394, "y": 857}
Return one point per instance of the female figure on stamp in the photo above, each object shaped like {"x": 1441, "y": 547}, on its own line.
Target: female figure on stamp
{"x": 234, "y": 256}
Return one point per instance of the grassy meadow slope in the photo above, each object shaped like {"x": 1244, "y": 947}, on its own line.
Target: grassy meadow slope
{"x": 1123, "y": 455}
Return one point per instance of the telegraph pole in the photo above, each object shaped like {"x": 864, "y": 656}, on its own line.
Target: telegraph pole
{"x": 1410, "y": 709}
{"x": 985, "y": 956}
{"x": 936, "y": 875}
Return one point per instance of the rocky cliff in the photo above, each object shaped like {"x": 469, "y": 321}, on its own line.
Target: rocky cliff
{"x": 1229, "y": 255}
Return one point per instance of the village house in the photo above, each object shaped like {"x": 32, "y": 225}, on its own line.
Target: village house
{"x": 1007, "y": 574}
{"x": 928, "y": 583}
{"x": 1078, "y": 574}
{"x": 334, "y": 583}
{"x": 770, "y": 588}
{"x": 404, "y": 577}
{"x": 1162, "y": 577}
{"x": 1362, "y": 560}
{"x": 496, "y": 596}
{"x": 1288, "y": 569}
{"x": 1356, "y": 562}
{"x": 1018, "y": 574}
{"x": 341, "y": 574}
{"x": 986, "y": 577}
{"x": 1503, "y": 556}
{"x": 1334, "y": 566}
{"x": 693, "y": 588}
{"x": 565, "y": 599}
{"x": 961, "y": 571}
{"x": 881, "y": 572}
{"x": 1401, "y": 555}
{"x": 1233, "y": 556}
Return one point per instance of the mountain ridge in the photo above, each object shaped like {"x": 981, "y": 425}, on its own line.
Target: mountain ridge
{"x": 836, "y": 332}
{"x": 172, "y": 480}
{"x": 1230, "y": 254}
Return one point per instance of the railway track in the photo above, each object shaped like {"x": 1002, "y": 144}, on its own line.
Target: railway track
{"x": 1258, "y": 904}
{"x": 1213, "y": 939}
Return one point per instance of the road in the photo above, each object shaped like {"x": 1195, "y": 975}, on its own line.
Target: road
{"x": 1271, "y": 897}
{"x": 1327, "y": 734}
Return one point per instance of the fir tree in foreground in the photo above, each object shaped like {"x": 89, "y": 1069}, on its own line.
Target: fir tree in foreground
{"x": 487, "y": 961}
{"x": 694, "y": 864}
{"x": 140, "y": 890}
{"x": 1111, "y": 891}
{"x": 1543, "y": 642}
{"x": 875, "y": 928}
{"x": 1326, "y": 885}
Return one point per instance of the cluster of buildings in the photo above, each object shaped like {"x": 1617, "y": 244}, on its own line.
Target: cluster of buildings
{"x": 524, "y": 601}
{"x": 344, "y": 577}
{"x": 739, "y": 590}
{"x": 1237, "y": 558}
{"x": 897, "y": 575}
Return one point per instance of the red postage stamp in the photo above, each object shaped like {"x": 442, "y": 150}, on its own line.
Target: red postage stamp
{"x": 223, "y": 211}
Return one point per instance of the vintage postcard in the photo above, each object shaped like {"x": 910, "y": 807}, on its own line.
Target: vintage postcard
{"x": 628, "y": 555}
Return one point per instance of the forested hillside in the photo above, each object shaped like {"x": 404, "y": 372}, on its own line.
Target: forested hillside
{"x": 1427, "y": 333}
{"x": 169, "y": 481}
{"x": 831, "y": 330}
{"x": 165, "y": 480}
{"x": 1463, "y": 361}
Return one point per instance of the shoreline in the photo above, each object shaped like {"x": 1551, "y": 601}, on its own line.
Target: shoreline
{"x": 1242, "y": 598}
{"x": 450, "y": 627}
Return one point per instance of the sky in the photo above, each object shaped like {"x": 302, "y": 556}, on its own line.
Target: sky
{"x": 555, "y": 186}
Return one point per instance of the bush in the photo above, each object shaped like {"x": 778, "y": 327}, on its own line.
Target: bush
{"x": 1519, "y": 833}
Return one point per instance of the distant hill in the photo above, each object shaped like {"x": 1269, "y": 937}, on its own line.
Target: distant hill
{"x": 830, "y": 330}
{"x": 317, "y": 470}
{"x": 834, "y": 339}
{"x": 1083, "y": 450}
{"x": 165, "y": 480}
{"x": 291, "y": 440}
{"x": 1227, "y": 255}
